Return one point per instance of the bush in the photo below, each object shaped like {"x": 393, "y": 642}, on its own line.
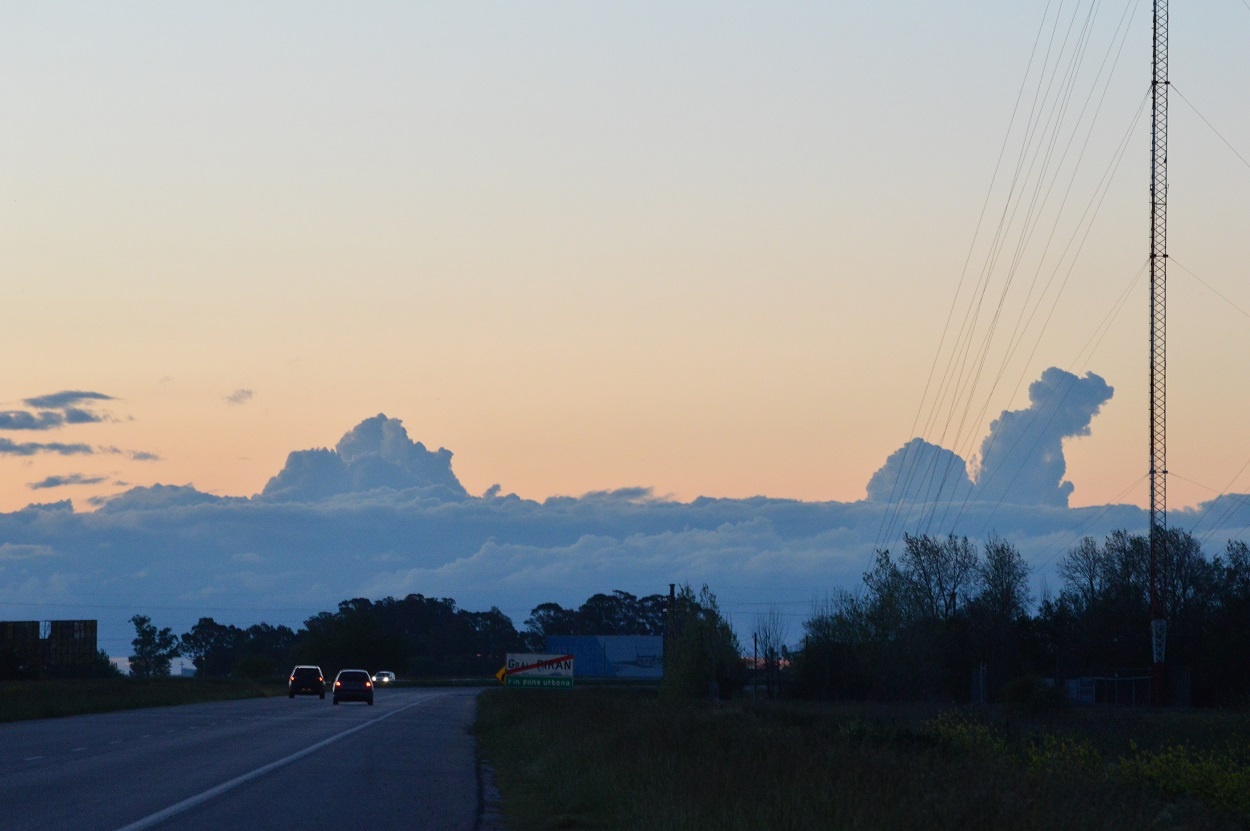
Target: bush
{"x": 1036, "y": 693}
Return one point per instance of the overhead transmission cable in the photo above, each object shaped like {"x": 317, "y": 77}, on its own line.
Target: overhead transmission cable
{"x": 1094, "y": 206}
{"x": 1050, "y": 115}
{"x": 937, "y": 405}
{"x": 1051, "y": 101}
{"x": 1077, "y": 238}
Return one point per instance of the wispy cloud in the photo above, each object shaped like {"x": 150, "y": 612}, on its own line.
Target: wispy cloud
{"x": 143, "y": 456}
{"x": 65, "y": 399}
{"x": 11, "y": 551}
{"x": 76, "y": 415}
{"x": 240, "y": 396}
{"x": 12, "y": 448}
{"x": 63, "y": 481}
{"x": 47, "y": 419}
{"x": 51, "y": 412}
{"x": 26, "y": 420}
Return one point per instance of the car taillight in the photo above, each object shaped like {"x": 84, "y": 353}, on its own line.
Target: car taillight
{"x": 338, "y": 683}
{"x": 368, "y": 683}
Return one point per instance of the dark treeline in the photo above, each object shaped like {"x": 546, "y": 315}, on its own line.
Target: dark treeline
{"x": 927, "y": 619}
{"x": 416, "y": 635}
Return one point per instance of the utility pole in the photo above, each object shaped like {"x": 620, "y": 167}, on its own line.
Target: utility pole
{"x": 1158, "y": 342}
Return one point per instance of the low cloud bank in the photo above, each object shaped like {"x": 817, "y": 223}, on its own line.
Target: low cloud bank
{"x": 380, "y": 514}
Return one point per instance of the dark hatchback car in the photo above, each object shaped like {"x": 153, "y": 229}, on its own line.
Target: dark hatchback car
{"x": 353, "y": 685}
{"x": 307, "y": 680}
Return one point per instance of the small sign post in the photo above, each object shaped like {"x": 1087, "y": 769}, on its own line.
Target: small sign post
{"x": 538, "y": 671}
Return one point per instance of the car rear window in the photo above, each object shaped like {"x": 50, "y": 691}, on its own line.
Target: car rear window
{"x": 306, "y": 672}
{"x": 356, "y": 676}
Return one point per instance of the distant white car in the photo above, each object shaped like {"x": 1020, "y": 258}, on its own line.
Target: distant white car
{"x": 383, "y": 677}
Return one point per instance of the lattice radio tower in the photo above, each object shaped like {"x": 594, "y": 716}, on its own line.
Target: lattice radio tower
{"x": 1158, "y": 339}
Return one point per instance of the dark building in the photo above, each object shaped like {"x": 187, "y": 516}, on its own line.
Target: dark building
{"x": 33, "y": 649}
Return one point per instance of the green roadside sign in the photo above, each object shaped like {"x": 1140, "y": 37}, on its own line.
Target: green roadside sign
{"x": 536, "y": 682}
{"x": 544, "y": 672}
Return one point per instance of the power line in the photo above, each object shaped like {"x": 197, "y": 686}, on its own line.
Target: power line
{"x": 1209, "y": 287}
{"x": 1220, "y": 135}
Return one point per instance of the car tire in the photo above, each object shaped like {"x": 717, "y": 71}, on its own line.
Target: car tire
{"x": 370, "y": 702}
{"x": 290, "y": 695}
{"x": 336, "y": 701}
{"x": 323, "y": 696}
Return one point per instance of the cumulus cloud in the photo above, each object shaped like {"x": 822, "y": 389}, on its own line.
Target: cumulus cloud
{"x": 240, "y": 396}
{"x": 162, "y": 498}
{"x": 1021, "y": 459}
{"x": 63, "y": 481}
{"x": 377, "y": 453}
{"x": 920, "y": 472}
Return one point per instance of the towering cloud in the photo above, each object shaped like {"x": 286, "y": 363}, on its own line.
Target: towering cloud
{"x": 1022, "y": 457}
{"x": 920, "y": 472}
{"x": 376, "y": 453}
{"x": 1021, "y": 460}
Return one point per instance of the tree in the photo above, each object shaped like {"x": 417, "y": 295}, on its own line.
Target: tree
{"x": 1001, "y": 636}
{"x": 154, "y": 649}
{"x": 550, "y": 619}
{"x": 211, "y": 646}
{"x": 1084, "y": 572}
{"x": 702, "y": 656}
{"x": 887, "y": 606}
{"x": 361, "y": 633}
{"x": 494, "y": 634}
{"x": 770, "y": 634}
{"x": 940, "y": 573}
{"x": 1003, "y": 577}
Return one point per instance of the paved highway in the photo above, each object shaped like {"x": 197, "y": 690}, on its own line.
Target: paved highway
{"x": 406, "y": 762}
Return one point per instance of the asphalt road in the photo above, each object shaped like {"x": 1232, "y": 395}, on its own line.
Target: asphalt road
{"x": 406, "y": 762}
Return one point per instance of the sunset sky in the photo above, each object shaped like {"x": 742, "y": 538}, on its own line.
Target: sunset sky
{"x": 704, "y": 248}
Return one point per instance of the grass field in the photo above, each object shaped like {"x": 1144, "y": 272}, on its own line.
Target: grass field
{"x": 21, "y": 700}
{"x": 612, "y": 759}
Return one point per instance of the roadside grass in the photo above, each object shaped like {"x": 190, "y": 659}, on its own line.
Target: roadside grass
{"x": 627, "y": 759}
{"x": 22, "y": 700}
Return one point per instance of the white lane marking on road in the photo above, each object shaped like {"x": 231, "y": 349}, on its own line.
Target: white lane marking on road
{"x": 78, "y": 750}
{"x": 116, "y": 741}
{"x": 32, "y": 758}
{"x": 224, "y": 787}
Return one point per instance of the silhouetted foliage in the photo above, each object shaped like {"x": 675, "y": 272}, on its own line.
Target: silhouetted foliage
{"x": 416, "y": 635}
{"x": 702, "y": 656}
{"x": 618, "y": 613}
{"x": 218, "y": 650}
{"x": 924, "y": 623}
{"x": 154, "y": 649}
